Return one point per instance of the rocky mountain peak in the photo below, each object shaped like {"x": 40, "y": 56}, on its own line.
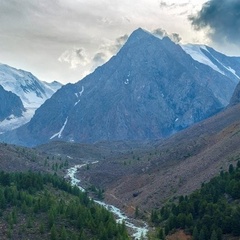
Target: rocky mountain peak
{"x": 150, "y": 90}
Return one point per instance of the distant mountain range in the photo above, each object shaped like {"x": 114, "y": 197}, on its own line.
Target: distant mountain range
{"x": 30, "y": 92}
{"x": 150, "y": 90}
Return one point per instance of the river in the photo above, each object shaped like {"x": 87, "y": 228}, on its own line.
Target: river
{"x": 138, "y": 229}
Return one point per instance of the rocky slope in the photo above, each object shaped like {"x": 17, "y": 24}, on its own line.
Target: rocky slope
{"x": 236, "y": 96}
{"x": 149, "y": 90}
{"x": 10, "y": 105}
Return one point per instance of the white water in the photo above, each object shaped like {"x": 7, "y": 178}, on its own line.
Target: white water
{"x": 138, "y": 231}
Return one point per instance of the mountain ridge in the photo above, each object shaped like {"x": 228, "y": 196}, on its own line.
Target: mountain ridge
{"x": 10, "y": 105}
{"x": 29, "y": 89}
{"x": 171, "y": 167}
{"x": 126, "y": 97}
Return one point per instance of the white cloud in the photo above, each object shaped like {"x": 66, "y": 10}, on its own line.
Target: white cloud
{"x": 159, "y": 32}
{"x": 40, "y": 36}
{"x": 75, "y": 57}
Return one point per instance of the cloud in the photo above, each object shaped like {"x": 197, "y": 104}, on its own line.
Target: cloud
{"x": 221, "y": 19}
{"x": 75, "y": 57}
{"x": 113, "y": 46}
{"x": 161, "y": 33}
{"x": 165, "y": 4}
{"x": 175, "y": 37}
{"x": 99, "y": 58}
{"x": 107, "y": 49}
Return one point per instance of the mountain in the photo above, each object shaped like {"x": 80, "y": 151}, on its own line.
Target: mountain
{"x": 228, "y": 66}
{"x": 149, "y": 90}
{"x": 54, "y": 86}
{"x": 236, "y": 96}
{"x": 32, "y": 92}
{"x": 175, "y": 166}
{"x": 60, "y": 210}
{"x": 10, "y": 105}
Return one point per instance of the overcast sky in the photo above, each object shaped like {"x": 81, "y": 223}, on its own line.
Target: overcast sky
{"x": 64, "y": 40}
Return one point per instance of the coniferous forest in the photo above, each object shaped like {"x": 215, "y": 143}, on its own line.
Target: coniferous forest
{"x": 208, "y": 213}
{"x": 44, "y": 206}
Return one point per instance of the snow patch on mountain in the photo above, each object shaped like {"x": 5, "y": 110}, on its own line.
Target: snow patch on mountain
{"x": 195, "y": 51}
{"x": 233, "y": 72}
{"x": 205, "y": 55}
{"x": 32, "y": 92}
{"x": 78, "y": 95}
{"x": 13, "y": 122}
{"x": 59, "y": 134}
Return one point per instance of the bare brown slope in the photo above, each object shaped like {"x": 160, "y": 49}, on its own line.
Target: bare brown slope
{"x": 176, "y": 166}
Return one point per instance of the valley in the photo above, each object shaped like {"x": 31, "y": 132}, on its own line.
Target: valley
{"x": 150, "y": 177}
{"x": 148, "y": 130}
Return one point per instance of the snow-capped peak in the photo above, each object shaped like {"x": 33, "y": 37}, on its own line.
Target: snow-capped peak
{"x": 32, "y": 92}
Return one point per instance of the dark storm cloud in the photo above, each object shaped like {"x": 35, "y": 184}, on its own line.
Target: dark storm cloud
{"x": 222, "y": 18}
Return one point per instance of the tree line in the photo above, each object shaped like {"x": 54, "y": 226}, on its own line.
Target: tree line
{"x": 45, "y": 206}
{"x": 207, "y": 213}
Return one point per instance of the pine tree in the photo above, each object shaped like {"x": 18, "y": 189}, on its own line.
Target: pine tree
{"x": 231, "y": 169}
{"x": 63, "y": 234}
{"x": 214, "y": 235}
{"x": 136, "y": 211}
{"x": 41, "y": 228}
{"x": 161, "y": 234}
{"x": 53, "y": 233}
{"x": 202, "y": 235}
{"x": 195, "y": 233}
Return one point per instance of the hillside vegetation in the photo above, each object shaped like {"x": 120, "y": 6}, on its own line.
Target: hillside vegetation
{"x": 177, "y": 166}
{"x": 44, "y": 206}
{"x": 207, "y": 213}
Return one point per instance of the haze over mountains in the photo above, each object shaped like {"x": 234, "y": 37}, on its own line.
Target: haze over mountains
{"x": 30, "y": 92}
{"x": 150, "y": 90}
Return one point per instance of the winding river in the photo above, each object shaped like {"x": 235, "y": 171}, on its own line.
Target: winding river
{"x": 138, "y": 229}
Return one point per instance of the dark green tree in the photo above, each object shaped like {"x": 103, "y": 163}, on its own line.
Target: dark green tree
{"x": 53, "y": 232}
{"x": 195, "y": 233}
{"x": 214, "y": 235}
